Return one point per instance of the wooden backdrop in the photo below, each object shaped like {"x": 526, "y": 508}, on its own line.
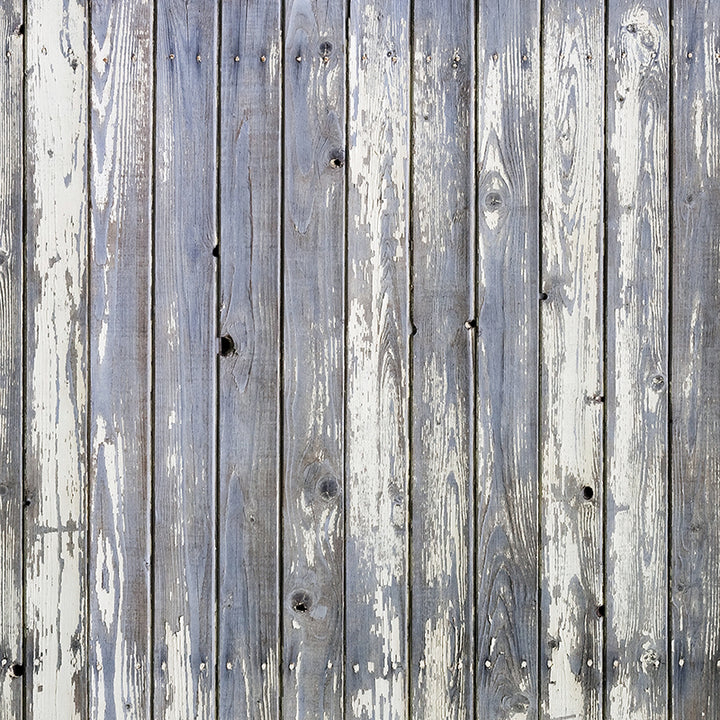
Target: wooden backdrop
{"x": 360, "y": 359}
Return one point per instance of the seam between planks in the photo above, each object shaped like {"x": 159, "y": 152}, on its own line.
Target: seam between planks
{"x": 23, "y": 362}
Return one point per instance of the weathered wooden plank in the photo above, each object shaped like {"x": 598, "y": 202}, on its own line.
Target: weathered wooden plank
{"x": 249, "y": 631}
{"x": 11, "y": 361}
{"x": 695, "y": 371}
{"x": 56, "y": 363}
{"x": 442, "y": 541}
{"x": 637, "y": 318}
{"x": 377, "y": 366}
{"x": 313, "y": 354}
{"x": 571, "y": 402}
{"x": 507, "y": 358}
{"x": 121, "y": 133}
{"x": 185, "y": 347}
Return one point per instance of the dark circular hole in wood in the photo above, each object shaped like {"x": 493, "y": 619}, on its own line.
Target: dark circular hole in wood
{"x": 216, "y": 251}
{"x": 16, "y": 670}
{"x": 328, "y": 488}
{"x": 470, "y": 324}
{"x": 301, "y": 601}
{"x": 27, "y": 502}
{"x": 227, "y": 346}
{"x": 337, "y": 158}
{"x": 543, "y": 296}
{"x": 600, "y": 611}
{"x": 588, "y": 492}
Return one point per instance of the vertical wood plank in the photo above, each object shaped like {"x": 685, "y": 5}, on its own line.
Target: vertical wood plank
{"x": 121, "y": 135}
{"x": 695, "y": 371}
{"x": 249, "y": 633}
{"x": 11, "y": 360}
{"x": 377, "y": 377}
{"x": 56, "y": 442}
{"x": 637, "y": 317}
{"x": 442, "y": 541}
{"x": 313, "y": 354}
{"x": 185, "y": 347}
{"x": 571, "y": 650}
{"x": 507, "y": 358}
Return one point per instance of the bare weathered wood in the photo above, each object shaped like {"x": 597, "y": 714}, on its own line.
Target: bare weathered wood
{"x": 11, "y": 360}
{"x": 249, "y": 630}
{"x": 185, "y": 347}
{"x": 507, "y": 358}
{"x": 571, "y": 403}
{"x": 378, "y": 332}
{"x": 637, "y": 326}
{"x": 313, "y": 354}
{"x": 121, "y": 133}
{"x": 695, "y": 370}
{"x": 443, "y": 259}
{"x": 56, "y": 360}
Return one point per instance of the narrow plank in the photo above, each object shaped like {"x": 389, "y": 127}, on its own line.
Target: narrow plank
{"x": 313, "y": 354}
{"x": 377, "y": 374}
{"x": 249, "y": 631}
{"x": 121, "y": 133}
{"x": 442, "y": 541}
{"x": 637, "y": 318}
{"x": 185, "y": 347}
{"x": 695, "y": 393}
{"x": 56, "y": 361}
{"x": 507, "y": 358}
{"x": 571, "y": 403}
{"x": 11, "y": 361}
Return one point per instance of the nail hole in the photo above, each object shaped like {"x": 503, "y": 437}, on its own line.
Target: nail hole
{"x": 413, "y": 329}
{"x": 588, "y": 492}
{"x": 227, "y": 346}
{"x": 328, "y": 488}
{"x": 16, "y": 670}
{"x": 216, "y": 251}
{"x": 470, "y": 324}
{"x": 543, "y": 296}
{"x": 325, "y": 48}
{"x": 600, "y": 611}
{"x": 658, "y": 382}
{"x": 301, "y": 601}
{"x": 631, "y": 28}
{"x": 27, "y": 502}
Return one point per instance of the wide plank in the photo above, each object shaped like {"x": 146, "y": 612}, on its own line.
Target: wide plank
{"x": 506, "y": 373}
{"x": 185, "y": 357}
{"x": 637, "y": 360}
{"x": 377, "y": 366}
{"x": 56, "y": 478}
{"x": 695, "y": 366}
{"x": 313, "y": 357}
{"x": 443, "y": 295}
{"x": 249, "y": 375}
{"x": 572, "y": 323}
{"x": 121, "y": 137}
{"x": 11, "y": 361}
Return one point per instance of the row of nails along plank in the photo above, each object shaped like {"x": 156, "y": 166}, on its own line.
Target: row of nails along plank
{"x": 110, "y": 456}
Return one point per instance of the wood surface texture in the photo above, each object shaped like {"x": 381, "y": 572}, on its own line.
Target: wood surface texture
{"x": 359, "y": 360}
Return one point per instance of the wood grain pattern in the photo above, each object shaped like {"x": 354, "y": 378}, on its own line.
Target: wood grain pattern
{"x": 313, "y": 354}
{"x": 507, "y": 359}
{"x": 443, "y": 252}
{"x": 249, "y": 611}
{"x": 637, "y": 316}
{"x": 11, "y": 361}
{"x": 119, "y": 336}
{"x": 185, "y": 347}
{"x": 56, "y": 416}
{"x": 695, "y": 371}
{"x": 378, "y": 331}
{"x": 571, "y": 402}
